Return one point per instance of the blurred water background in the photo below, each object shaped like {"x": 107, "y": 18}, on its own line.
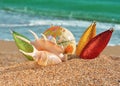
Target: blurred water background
{"x": 75, "y": 15}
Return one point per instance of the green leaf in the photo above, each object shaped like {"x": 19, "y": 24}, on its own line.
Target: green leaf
{"x": 22, "y": 45}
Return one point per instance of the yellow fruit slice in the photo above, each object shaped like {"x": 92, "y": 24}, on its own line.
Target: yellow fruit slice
{"x": 89, "y": 33}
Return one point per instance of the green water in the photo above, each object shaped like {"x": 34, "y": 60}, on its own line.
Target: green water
{"x": 98, "y": 10}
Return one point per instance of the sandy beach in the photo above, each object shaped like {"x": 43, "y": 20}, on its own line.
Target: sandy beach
{"x": 16, "y": 70}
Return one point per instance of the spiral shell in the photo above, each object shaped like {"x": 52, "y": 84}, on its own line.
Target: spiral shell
{"x": 63, "y": 38}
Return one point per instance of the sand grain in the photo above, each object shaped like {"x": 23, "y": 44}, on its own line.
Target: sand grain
{"x": 16, "y": 70}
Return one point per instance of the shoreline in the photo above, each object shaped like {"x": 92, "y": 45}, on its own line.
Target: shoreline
{"x": 109, "y": 50}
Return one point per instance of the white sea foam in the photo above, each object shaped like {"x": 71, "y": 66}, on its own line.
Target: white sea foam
{"x": 72, "y": 24}
{"x": 78, "y": 23}
{"x": 13, "y": 25}
{"x": 21, "y": 23}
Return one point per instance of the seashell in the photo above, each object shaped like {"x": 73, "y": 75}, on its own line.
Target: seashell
{"x": 63, "y": 38}
{"x": 43, "y": 58}
{"x": 22, "y": 45}
{"x": 89, "y": 33}
{"x": 44, "y": 51}
{"x": 95, "y": 46}
{"x": 47, "y": 45}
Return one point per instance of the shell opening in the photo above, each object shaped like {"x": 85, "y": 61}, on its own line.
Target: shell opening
{"x": 23, "y": 39}
{"x": 34, "y": 49}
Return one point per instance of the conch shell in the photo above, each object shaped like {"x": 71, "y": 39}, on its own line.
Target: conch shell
{"x": 91, "y": 45}
{"x": 45, "y": 52}
{"x": 96, "y": 45}
{"x": 89, "y": 33}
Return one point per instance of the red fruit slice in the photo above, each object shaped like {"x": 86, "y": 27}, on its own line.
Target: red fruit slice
{"x": 95, "y": 46}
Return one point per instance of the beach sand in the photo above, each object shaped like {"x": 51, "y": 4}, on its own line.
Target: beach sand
{"x": 16, "y": 70}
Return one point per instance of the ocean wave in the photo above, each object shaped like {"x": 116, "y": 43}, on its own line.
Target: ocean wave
{"x": 74, "y": 23}
{"x": 22, "y": 22}
{"x": 13, "y": 25}
{"x": 113, "y": 45}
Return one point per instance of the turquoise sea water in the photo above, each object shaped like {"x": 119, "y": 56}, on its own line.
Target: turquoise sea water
{"x": 76, "y": 15}
{"x": 102, "y": 10}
